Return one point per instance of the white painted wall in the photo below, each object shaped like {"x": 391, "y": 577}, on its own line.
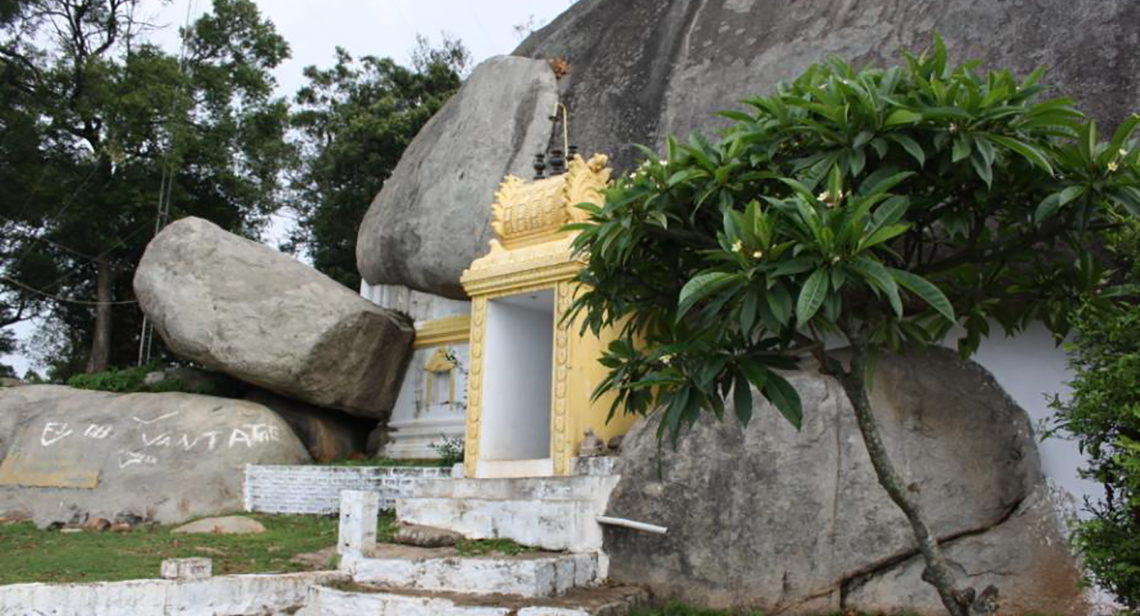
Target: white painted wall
{"x": 417, "y": 426}
{"x": 518, "y": 352}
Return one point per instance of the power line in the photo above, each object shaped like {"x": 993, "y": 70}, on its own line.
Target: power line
{"x": 17, "y": 283}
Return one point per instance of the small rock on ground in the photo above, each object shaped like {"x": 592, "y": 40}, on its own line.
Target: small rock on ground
{"x": 425, "y": 536}
{"x": 320, "y": 560}
{"x": 229, "y": 525}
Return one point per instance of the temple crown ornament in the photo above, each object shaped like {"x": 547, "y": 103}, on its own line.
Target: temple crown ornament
{"x": 531, "y": 373}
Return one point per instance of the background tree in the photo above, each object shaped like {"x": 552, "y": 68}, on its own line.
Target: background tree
{"x": 354, "y": 121}
{"x": 97, "y": 123}
{"x": 1103, "y": 415}
{"x": 876, "y": 209}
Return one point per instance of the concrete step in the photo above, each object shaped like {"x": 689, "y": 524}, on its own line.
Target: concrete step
{"x": 581, "y": 487}
{"x": 550, "y": 524}
{"x": 376, "y": 601}
{"x": 535, "y": 574}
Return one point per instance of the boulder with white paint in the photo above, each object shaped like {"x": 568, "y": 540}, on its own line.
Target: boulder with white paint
{"x": 796, "y": 522}
{"x": 68, "y": 455}
{"x": 242, "y": 308}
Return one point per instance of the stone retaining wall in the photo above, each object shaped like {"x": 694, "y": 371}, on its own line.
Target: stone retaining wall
{"x": 316, "y": 489}
{"x": 230, "y": 595}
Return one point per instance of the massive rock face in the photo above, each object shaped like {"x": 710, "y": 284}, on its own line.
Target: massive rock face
{"x": 795, "y": 522}
{"x": 640, "y": 70}
{"x": 644, "y": 69}
{"x": 432, "y": 218}
{"x": 245, "y": 309}
{"x": 68, "y": 454}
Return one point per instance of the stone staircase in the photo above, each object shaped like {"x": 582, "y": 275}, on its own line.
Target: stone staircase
{"x": 554, "y": 514}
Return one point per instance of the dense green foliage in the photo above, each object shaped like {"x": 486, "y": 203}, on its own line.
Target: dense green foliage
{"x": 133, "y": 380}
{"x": 879, "y": 207}
{"x": 353, "y": 122}
{"x": 94, "y": 117}
{"x": 885, "y": 205}
{"x": 33, "y": 555}
{"x": 1103, "y": 415}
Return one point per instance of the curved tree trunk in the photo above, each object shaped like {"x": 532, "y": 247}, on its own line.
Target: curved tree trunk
{"x": 101, "y": 341}
{"x": 958, "y": 602}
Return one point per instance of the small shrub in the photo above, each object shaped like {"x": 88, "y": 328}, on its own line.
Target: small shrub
{"x": 450, "y": 450}
{"x": 133, "y": 380}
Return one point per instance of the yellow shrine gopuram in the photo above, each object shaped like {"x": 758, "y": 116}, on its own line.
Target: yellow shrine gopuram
{"x": 530, "y": 375}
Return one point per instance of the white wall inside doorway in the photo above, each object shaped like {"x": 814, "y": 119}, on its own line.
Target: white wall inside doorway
{"x": 517, "y": 371}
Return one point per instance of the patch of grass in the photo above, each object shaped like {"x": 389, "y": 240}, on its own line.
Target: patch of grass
{"x": 483, "y": 547}
{"x": 680, "y": 609}
{"x": 33, "y": 555}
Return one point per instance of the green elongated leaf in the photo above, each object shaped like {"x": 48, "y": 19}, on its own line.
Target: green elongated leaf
{"x": 911, "y": 146}
{"x": 738, "y": 116}
{"x": 742, "y": 399}
{"x": 812, "y": 295}
{"x": 926, "y": 290}
{"x": 901, "y": 116}
{"x": 675, "y": 413}
{"x": 780, "y": 302}
{"x": 785, "y": 398}
{"x": 1027, "y": 151}
{"x": 1123, "y": 134}
{"x": 748, "y": 311}
{"x": 882, "y": 235}
{"x": 983, "y": 168}
{"x": 876, "y": 274}
{"x": 685, "y": 175}
{"x": 700, "y": 287}
{"x": 890, "y": 212}
{"x": 1049, "y": 205}
{"x": 792, "y": 267}
{"x": 756, "y": 372}
{"x": 961, "y": 149}
{"x": 1087, "y": 142}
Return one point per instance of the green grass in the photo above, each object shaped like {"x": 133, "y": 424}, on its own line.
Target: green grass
{"x": 32, "y": 555}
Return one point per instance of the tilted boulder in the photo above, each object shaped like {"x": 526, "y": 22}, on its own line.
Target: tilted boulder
{"x": 328, "y": 435}
{"x": 70, "y": 455}
{"x": 432, "y": 217}
{"x": 242, "y": 308}
{"x": 796, "y": 522}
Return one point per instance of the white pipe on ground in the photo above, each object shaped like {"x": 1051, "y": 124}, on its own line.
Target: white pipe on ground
{"x": 649, "y": 528}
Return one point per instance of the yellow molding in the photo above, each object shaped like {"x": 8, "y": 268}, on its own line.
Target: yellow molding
{"x": 447, "y": 330}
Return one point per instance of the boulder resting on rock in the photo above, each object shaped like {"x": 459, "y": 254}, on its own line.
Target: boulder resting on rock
{"x": 70, "y": 455}
{"x": 242, "y": 308}
{"x": 328, "y": 435}
{"x": 433, "y": 215}
{"x": 796, "y": 523}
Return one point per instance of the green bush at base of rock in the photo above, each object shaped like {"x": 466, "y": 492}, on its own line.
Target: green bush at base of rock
{"x": 133, "y": 380}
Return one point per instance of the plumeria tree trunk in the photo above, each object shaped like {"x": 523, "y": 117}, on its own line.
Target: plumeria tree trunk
{"x": 853, "y": 379}
{"x": 101, "y": 341}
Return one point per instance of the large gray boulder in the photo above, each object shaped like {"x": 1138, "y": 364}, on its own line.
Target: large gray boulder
{"x": 242, "y": 308}
{"x": 67, "y": 455}
{"x": 328, "y": 435}
{"x": 641, "y": 70}
{"x": 796, "y": 523}
{"x": 433, "y": 215}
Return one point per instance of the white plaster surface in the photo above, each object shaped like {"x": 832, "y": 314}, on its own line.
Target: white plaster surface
{"x": 316, "y": 489}
{"x": 358, "y": 519}
{"x": 545, "y": 576}
{"x": 517, "y": 375}
{"x": 554, "y": 513}
{"x": 418, "y": 421}
{"x": 231, "y": 595}
{"x": 418, "y": 305}
{"x": 331, "y": 602}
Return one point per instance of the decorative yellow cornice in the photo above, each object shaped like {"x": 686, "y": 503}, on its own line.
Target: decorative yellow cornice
{"x": 447, "y": 330}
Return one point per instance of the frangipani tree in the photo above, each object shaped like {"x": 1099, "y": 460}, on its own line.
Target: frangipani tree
{"x": 876, "y": 209}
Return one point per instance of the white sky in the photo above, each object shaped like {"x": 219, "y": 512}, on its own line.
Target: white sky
{"x": 384, "y": 28}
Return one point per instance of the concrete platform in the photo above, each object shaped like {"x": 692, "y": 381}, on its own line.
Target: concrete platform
{"x": 377, "y": 601}
{"x": 536, "y": 574}
{"x": 552, "y": 513}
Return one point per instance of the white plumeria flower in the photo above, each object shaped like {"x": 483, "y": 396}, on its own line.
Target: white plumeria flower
{"x": 737, "y": 246}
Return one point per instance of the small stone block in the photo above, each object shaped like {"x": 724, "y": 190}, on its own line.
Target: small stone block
{"x": 187, "y": 568}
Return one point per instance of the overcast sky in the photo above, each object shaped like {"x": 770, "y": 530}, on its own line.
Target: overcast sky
{"x": 384, "y": 28}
